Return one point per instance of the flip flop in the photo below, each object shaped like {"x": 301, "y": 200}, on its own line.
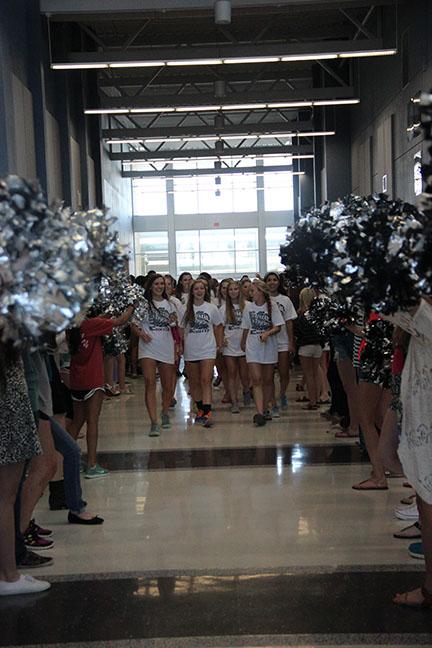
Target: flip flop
{"x": 425, "y": 604}
{"x": 302, "y": 399}
{"x": 408, "y": 500}
{"x": 401, "y": 535}
{"x": 343, "y": 434}
{"x": 360, "y": 486}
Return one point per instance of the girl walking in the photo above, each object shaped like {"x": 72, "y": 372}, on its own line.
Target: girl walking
{"x": 261, "y": 323}
{"x": 157, "y": 350}
{"x": 202, "y": 334}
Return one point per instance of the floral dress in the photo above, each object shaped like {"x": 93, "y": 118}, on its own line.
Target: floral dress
{"x": 18, "y": 435}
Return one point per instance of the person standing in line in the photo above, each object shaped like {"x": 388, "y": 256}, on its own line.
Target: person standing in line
{"x": 87, "y": 381}
{"x": 235, "y": 358}
{"x": 182, "y": 289}
{"x": 261, "y": 323}
{"x": 18, "y": 443}
{"x": 157, "y": 350}
{"x": 170, "y": 286}
{"x": 310, "y": 346}
{"x": 246, "y": 286}
{"x": 202, "y": 335}
{"x": 285, "y": 338}
{"x": 221, "y": 366}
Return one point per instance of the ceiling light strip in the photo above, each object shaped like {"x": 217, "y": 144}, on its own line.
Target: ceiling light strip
{"x": 222, "y": 107}
{"x": 238, "y": 60}
{"x": 216, "y": 138}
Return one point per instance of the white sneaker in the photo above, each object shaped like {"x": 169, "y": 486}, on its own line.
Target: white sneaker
{"x": 407, "y": 512}
{"x": 24, "y": 585}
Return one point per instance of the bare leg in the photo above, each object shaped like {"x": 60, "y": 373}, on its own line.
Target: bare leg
{"x": 267, "y": 373}
{"x": 109, "y": 370}
{"x": 223, "y": 373}
{"x": 256, "y": 378}
{"x": 193, "y": 374}
{"x": 347, "y": 374}
{"x": 10, "y": 477}
{"x": 148, "y": 366}
{"x": 166, "y": 372}
{"x": 79, "y": 418}
{"x": 93, "y": 409}
{"x": 121, "y": 368}
{"x": 370, "y": 396}
{"x": 415, "y": 597}
{"x": 389, "y": 442}
{"x": 324, "y": 387}
{"x": 244, "y": 373}
{"x": 309, "y": 371}
{"x": 284, "y": 371}
{"x": 206, "y": 376}
{"x": 233, "y": 371}
{"x": 42, "y": 468}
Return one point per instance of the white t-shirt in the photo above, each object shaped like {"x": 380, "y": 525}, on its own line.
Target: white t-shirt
{"x": 180, "y": 309}
{"x": 233, "y": 331}
{"x": 157, "y": 324}
{"x": 199, "y": 338}
{"x": 256, "y": 321}
{"x": 288, "y": 313}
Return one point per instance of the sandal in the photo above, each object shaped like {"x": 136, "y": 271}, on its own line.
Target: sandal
{"x": 344, "y": 434}
{"x": 363, "y": 486}
{"x": 403, "y": 535}
{"x": 425, "y": 604}
{"x": 408, "y": 500}
{"x": 302, "y": 399}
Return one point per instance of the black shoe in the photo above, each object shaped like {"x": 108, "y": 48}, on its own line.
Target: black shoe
{"x": 75, "y": 519}
{"x": 32, "y": 560}
{"x": 56, "y": 500}
{"x": 259, "y": 420}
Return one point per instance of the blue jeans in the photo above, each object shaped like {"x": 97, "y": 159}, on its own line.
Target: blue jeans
{"x": 71, "y": 452}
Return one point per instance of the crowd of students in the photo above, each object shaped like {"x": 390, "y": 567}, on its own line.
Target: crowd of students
{"x": 243, "y": 331}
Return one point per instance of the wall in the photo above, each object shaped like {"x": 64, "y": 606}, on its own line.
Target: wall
{"x": 380, "y": 142}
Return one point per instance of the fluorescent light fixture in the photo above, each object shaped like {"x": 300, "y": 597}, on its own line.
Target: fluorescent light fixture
{"x": 298, "y": 173}
{"x": 79, "y": 66}
{"x": 308, "y": 57}
{"x": 216, "y": 108}
{"x": 197, "y": 108}
{"x": 415, "y": 100}
{"x": 227, "y": 156}
{"x": 251, "y": 106}
{"x": 136, "y": 64}
{"x": 86, "y": 65}
{"x": 414, "y": 127}
{"x": 314, "y": 134}
{"x": 366, "y": 53}
{"x": 188, "y": 62}
{"x": 211, "y": 138}
{"x": 165, "y": 109}
{"x": 251, "y": 59}
{"x": 106, "y": 111}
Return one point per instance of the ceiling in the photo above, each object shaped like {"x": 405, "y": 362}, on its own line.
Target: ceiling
{"x": 142, "y": 30}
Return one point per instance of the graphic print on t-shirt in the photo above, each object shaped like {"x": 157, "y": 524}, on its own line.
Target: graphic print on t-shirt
{"x": 158, "y": 319}
{"x": 260, "y": 321}
{"x": 238, "y": 315}
{"x": 201, "y": 323}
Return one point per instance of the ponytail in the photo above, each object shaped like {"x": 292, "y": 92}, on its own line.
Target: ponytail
{"x": 269, "y": 308}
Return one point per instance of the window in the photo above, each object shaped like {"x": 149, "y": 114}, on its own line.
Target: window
{"x": 151, "y": 252}
{"x": 275, "y": 237}
{"x": 149, "y": 196}
{"x": 214, "y": 194}
{"x": 278, "y": 186}
{"x": 221, "y": 252}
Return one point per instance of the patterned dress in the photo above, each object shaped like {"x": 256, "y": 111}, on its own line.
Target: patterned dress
{"x": 18, "y": 434}
{"x": 415, "y": 449}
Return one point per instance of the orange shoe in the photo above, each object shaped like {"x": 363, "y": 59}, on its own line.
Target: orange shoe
{"x": 199, "y": 418}
{"x": 207, "y": 420}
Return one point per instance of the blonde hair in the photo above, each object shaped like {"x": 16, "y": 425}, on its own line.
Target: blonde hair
{"x": 230, "y": 315}
{"x": 262, "y": 286}
{"x": 306, "y": 297}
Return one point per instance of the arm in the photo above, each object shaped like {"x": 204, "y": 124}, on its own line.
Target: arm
{"x": 119, "y": 321}
{"x": 290, "y": 331}
{"x": 218, "y": 333}
{"x": 273, "y": 331}
{"x": 141, "y": 334}
{"x": 243, "y": 339}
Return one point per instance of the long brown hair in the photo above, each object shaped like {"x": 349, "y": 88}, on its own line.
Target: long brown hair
{"x": 179, "y": 288}
{"x": 230, "y": 315}
{"x": 189, "y": 316}
{"x": 262, "y": 286}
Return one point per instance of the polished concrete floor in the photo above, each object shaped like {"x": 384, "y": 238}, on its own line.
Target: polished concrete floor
{"x": 224, "y": 537}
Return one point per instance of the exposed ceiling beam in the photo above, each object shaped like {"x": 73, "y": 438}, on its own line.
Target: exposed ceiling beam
{"x": 95, "y": 10}
{"x": 175, "y": 173}
{"x": 196, "y": 131}
{"x": 205, "y": 153}
{"x": 238, "y": 98}
{"x": 224, "y": 51}
{"x": 176, "y": 79}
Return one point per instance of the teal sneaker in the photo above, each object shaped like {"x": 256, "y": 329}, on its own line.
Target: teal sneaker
{"x": 154, "y": 430}
{"x": 284, "y": 402}
{"x": 166, "y": 423}
{"x": 95, "y": 472}
{"x": 275, "y": 412}
{"x": 415, "y": 550}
